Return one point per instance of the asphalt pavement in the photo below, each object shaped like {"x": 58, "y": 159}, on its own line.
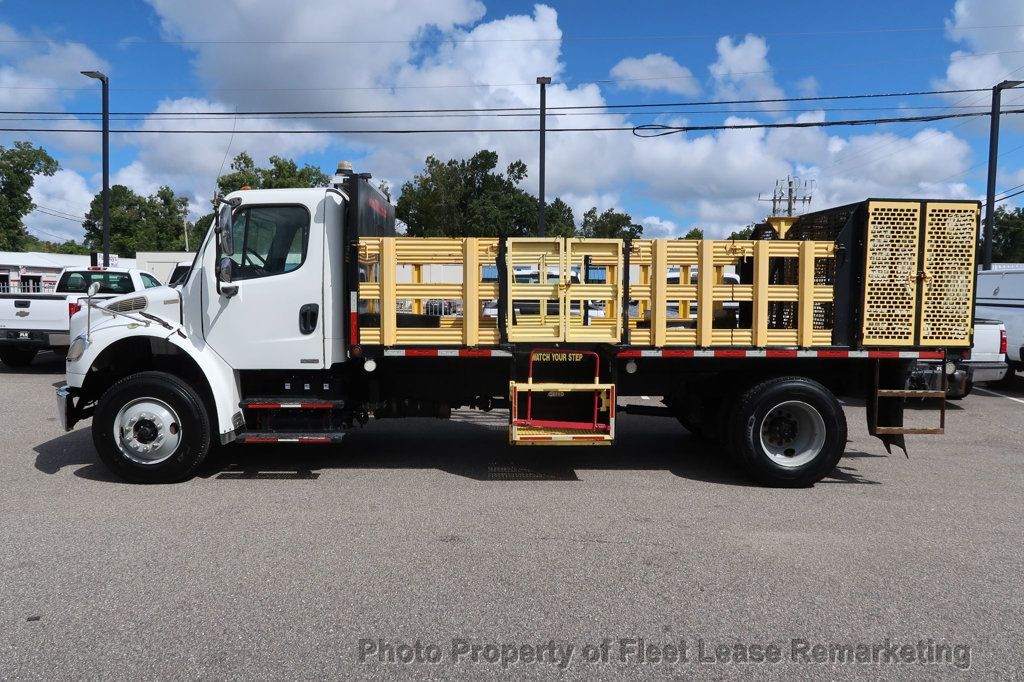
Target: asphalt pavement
{"x": 431, "y": 548}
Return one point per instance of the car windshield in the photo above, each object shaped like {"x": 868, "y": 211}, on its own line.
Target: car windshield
{"x": 110, "y": 282}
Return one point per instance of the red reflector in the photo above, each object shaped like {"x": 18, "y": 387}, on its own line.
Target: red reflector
{"x": 74, "y": 308}
{"x": 1002, "y": 341}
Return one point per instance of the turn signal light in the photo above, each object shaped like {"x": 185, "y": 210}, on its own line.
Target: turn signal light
{"x": 74, "y": 308}
{"x": 1002, "y": 341}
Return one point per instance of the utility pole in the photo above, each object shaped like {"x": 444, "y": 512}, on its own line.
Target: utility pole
{"x": 542, "y": 81}
{"x": 787, "y": 193}
{"x": 993, "y": 155}
{"x": 106, "y": 162}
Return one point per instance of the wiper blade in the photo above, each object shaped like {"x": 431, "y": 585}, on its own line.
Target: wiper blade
{"x": 156, "y": 319}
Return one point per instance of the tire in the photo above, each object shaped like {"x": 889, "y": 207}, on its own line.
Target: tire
{"x": 787, "y": 432}
{"x": 163, "y": 428}
{"x": 17, "y": 357}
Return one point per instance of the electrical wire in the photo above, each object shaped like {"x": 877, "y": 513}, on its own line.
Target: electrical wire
{"x": 561, "y": 38}
{"x": 660, "y": 130}
{"x": 648, "y": 130}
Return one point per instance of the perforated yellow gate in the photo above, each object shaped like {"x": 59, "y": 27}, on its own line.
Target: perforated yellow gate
{"x": 912, "y": 298}
{"x": 890, "y": 281}
{"x": 950, "y": 234}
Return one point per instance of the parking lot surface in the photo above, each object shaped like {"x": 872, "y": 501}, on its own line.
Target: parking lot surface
{"x": 308, "y": 562}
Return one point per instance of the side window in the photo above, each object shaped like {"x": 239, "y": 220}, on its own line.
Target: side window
{"x": 269, "y": 240}
{"x": 148, "y": 280}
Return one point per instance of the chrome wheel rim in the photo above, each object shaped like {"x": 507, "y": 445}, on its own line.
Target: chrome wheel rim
{"x": 147, "y": 431}
{"x": 792, "y": 434}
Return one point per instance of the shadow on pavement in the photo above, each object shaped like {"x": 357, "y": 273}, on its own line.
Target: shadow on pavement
{"x": 473, "y": 446}
{"x": 44, "y": 363}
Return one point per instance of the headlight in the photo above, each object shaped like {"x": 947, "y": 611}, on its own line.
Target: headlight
{"x": 77, "y": 348}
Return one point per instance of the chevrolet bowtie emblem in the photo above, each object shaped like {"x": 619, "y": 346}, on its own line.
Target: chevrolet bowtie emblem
{"x": 22, "y": 313}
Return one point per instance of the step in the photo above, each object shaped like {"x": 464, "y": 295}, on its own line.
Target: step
{"x": 906, "y": 393}
{"x": 314, "y": 438}
{"x": 290, "y": 403}
{"x": 902, "y": 430}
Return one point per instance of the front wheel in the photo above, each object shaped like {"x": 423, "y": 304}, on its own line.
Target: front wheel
{"x": 16, "y": 357}
{"x": 151, "y": 427}
{"x": 788, "y": 432}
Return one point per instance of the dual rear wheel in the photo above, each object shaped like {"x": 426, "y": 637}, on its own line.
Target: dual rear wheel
{"x": 789, "y": 431}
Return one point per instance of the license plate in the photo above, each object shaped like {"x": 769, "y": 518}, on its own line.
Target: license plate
{"x": 23, "y": 335}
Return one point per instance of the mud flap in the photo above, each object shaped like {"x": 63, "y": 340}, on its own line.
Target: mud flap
{"x": 887, "y": 412}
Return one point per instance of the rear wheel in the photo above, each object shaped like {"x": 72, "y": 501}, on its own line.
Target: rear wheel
{"x": 151, "y": 427}
{"x": 17, "y": 357}
{"x": 788, "y": 432}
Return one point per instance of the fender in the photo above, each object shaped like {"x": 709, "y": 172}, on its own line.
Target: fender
{"x": 222, "y": 379}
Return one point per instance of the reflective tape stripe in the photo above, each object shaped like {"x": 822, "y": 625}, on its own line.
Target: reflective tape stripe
{"x": 445, "y": 353}
{"x": 781, "y": 353}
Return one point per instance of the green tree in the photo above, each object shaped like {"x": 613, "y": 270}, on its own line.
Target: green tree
{"x": 559, "y": 220}
{"x": 1008, "y": 235}
{"x": 467, "y": 198}
{"x": 694, "y": 233}
{"x": 745, "y": 233}
{"x": 137, "y": 223}
{"x": 33, "y": 243}
{"x": 18, "y": 167}
{"x": 611, "y": 224}
{"x": 282, "y": 173}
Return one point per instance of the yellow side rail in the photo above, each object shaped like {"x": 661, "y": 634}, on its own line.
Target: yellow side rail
{"x": 444, "y": 291}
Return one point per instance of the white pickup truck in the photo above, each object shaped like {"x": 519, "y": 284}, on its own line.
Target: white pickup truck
{"x": 1001, "y": 295}
{"x": 33, "y": 322}
{"x": 983, "y": 362}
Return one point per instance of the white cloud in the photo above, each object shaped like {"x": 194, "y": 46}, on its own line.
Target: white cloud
{"x": 988, "y": 55}
{"x": 742, "y": 70}
{"x": 655, "y": 72}
{"x": 659, "y": 228}
{"x": 67, "y": 193}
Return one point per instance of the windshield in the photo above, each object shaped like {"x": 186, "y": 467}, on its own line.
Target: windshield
{"x": 110, "y": 282}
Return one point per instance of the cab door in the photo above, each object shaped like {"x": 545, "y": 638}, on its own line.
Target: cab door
{"x": 275, "y": 320}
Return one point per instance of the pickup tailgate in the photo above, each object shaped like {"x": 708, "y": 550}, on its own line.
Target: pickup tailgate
{"x": 34, "y": 312}
{"x": 986, "y": 341}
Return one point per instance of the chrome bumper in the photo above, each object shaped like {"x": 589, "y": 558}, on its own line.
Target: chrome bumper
{"x": 66, "y": 414}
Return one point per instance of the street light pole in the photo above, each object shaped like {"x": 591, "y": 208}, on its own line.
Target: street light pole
{"x": 993, "y": 155}
{"x": 106, "y": 161}
{"x": 542, "y": 81}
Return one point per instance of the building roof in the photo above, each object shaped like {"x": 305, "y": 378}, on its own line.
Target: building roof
{"x": 37, "y": 259}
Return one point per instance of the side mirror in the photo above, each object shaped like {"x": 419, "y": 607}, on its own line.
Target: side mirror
{"x": 224, "y": 233}
{"x": 224, "y": 269}
{"x": 93, "y": 289}
{"x": 224, "y": 285}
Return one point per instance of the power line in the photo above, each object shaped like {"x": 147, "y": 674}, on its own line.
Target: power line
{"x": 659, "y": 130}
{"x": 286, "y": 116}
{"x": 652, "y": 130}
{"x": 561, "y": 38}
{"x": 635, "y": 105}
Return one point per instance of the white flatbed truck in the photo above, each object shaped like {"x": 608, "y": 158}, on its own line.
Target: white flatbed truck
{"x": 305, "y": 316}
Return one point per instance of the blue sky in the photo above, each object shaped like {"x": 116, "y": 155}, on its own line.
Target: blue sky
{"x": 192, "y": 56}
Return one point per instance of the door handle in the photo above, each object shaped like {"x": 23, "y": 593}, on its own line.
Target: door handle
{"x": 308, "y": 315}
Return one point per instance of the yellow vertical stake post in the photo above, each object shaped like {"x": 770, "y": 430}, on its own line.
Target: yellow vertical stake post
{"x": 388, "y": 304}
{"x": 761, "y": 293}
{"x": 659, "y": 304}
{"x": 417, "y": 278}
{"x": 705, "y": 292}
{"x": 470, "y": 296}
{"x": 805, "y": 319}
